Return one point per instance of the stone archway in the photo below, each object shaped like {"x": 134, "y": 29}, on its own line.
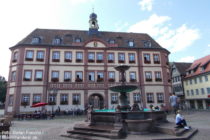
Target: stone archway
{"x": 97, "y": 101}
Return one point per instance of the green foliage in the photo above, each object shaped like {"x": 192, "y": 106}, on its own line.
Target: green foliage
{"x": 3, "y": 89}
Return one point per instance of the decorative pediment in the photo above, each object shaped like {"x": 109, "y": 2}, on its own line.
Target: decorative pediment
{"x": 95, "y": 44}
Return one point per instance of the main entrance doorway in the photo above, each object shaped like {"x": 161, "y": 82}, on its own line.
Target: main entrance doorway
{"x": 97, "y": 101}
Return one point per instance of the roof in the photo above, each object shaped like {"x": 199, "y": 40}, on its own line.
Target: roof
{"x": 68, "y": 37}
{"x": 182, "y": 67}
{"x": 197, "y": 66}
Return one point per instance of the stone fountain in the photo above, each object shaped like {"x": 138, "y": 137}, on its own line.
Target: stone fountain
{"x": 121, "y": 122}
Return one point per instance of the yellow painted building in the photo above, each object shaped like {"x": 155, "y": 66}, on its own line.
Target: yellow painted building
{"x": 197, "y": 84}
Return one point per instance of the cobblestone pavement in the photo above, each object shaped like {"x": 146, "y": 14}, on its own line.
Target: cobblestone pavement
{"x": 52, "y": 129}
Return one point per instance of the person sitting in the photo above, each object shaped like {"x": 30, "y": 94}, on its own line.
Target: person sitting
{"x": 180, "y": 121}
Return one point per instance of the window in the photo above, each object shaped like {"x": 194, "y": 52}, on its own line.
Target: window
{"x": 56, "y": 56}
{"x": 110, "y": 57}
{"x": 131, "y": 58}
{"x": 76, "y": 99}
{"x": 136, "y": 97}
{"x": 13, "y": 76}
{"x": 202, "y": 91}
{"x": 79, "y": 77}
{"x": 29, "y": 55}
{"x": 67, "y": 76}
{"x": 91, "y": 76}
{"x": 197, "y": 92}
{"x": 52, "y": 99}
{"x": 200, "y": 79}
{"x": 206, "y": 78}
{"x": 114, "y": 98}
{"x": 192, "y": 92}
{"x": 91, "y": 57}
{"x": 158, "y": 76}
{"x": 111, "y": 76}
{"x": 132, "y": 76}
{"x": 25, "y": 100}
{"x": 188, "y": 93}
{"x": 64, "y": 99}
{"x": 160, "y": 98}
{"x": 78, "y": 40}
{"x": 147, "y": 59}
{"x": 57, "y": 41}
{"x": 156, "y": 58}
{"x": 27, "y": 75}
{"x": 79, "y": 56}
{"x": 100, "y": 77}
{"x": 11, "y": 100}
{"x": 55, "y": 76}
{"x": 121, "y": 58}
{"x": 148, "y": 76}
{"x": 130, "y": 43}
{"x": 36, "y": 40}
{"x": 38, "y": 75}
{"x": 68, "y": 57}
{"x": 186, "y": 82}
{"x": 15, "y": 57}
{"x": 99, "y": 57}
{"x": 40, "y": 56}
{"x": 147, "y": 44}
{"x": 208, "y": 90}
{"x": 111, "y": 41}
{"x": 36, "y": 98}
{"x": 150, "y": 98}
{"x": 195, "y": 80}
{"x": 190, "y": 81}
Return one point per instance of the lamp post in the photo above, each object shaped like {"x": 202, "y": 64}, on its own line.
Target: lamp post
{"x": 52, "y": 97}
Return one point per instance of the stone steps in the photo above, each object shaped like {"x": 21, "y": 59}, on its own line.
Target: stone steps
{"x": 83, "y": 137}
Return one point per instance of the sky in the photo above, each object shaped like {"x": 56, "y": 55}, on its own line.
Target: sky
{"x": 181, "y": 26}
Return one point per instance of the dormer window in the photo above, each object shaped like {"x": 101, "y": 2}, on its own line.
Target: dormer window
{"x": 56, "y": 41}
{"x": 78, "y": 40}
{"x": 202, "y": 69}
{"x": 130, "y": 43}
{"x": 147, "y": 44}
{"x": 35, "y": 40}
{"x": 111, "y": 41}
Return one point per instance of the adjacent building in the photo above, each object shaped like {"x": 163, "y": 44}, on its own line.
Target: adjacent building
{"x": 73, "y": 68}
{"x": 178, "y": 72}
{"x": 197, "y": 84}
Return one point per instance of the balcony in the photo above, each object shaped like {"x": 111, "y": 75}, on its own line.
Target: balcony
{"x": 132, "y": 80}
{"x": 110, "y": 61}
{"x": 75, "y": 102}
{"x": 132, "y": 61}
{"x": 147, "y": 61}
{"x": 78, "y": 80}
{"x": 26, "y": 79}
{"x": 121, "y": 61}
{"x": 67, "y": 80}
{"x": 79, "y": 60}
{"x": 148, "y": 80}
{"x": 28, "y": 59}
{"x": 111, "y": 80}
{"x": 158, "y": 79}
{"x": 100, "y": 80}
{"x": 114, "y": 102}
{"x": 67, "y": 60}
{"x": 38, "y": 79}
{"x": 64, "y": 102}
{"x": 99, "y": 61}
{"x": 24, "y": 103}
{"x": 55, "y": 60}
{"x": 40, "y": 59}
{"x": 52, "y": 103}
{"x": 14, "y": 60}
{"x": 156, "y": 62}
{"x": 91, "y": 60}
{"x": 54, "y": 79}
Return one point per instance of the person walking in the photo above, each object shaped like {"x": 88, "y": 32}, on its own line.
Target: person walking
{"x": 173, "y": 100}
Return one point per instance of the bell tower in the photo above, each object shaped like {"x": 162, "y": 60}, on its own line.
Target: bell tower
{"x": 93, "y": 24}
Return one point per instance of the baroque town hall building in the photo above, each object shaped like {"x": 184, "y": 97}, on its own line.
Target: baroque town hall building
{"x": 73, "y": 68}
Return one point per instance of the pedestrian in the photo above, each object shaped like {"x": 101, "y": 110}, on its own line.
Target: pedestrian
{"x": 173, "y": 100}
{"x": 180, "y": 121}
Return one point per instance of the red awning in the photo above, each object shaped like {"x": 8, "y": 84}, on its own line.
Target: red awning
{"x": 39, "y": 104}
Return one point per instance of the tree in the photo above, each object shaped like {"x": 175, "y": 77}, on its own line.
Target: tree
{"x": 3, "y": 89}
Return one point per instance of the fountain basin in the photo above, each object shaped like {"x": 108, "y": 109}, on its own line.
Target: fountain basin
{"x": 123, "y": 88}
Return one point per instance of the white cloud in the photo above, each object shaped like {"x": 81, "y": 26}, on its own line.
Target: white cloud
{"x": 173, "y": 39}
{"x": 208, "y": 45}
{"x": 119, "y": 26}
{"x": 75, "y": 2}
{"x": 187, "y": 59}
{"x": 146, "y": 4}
